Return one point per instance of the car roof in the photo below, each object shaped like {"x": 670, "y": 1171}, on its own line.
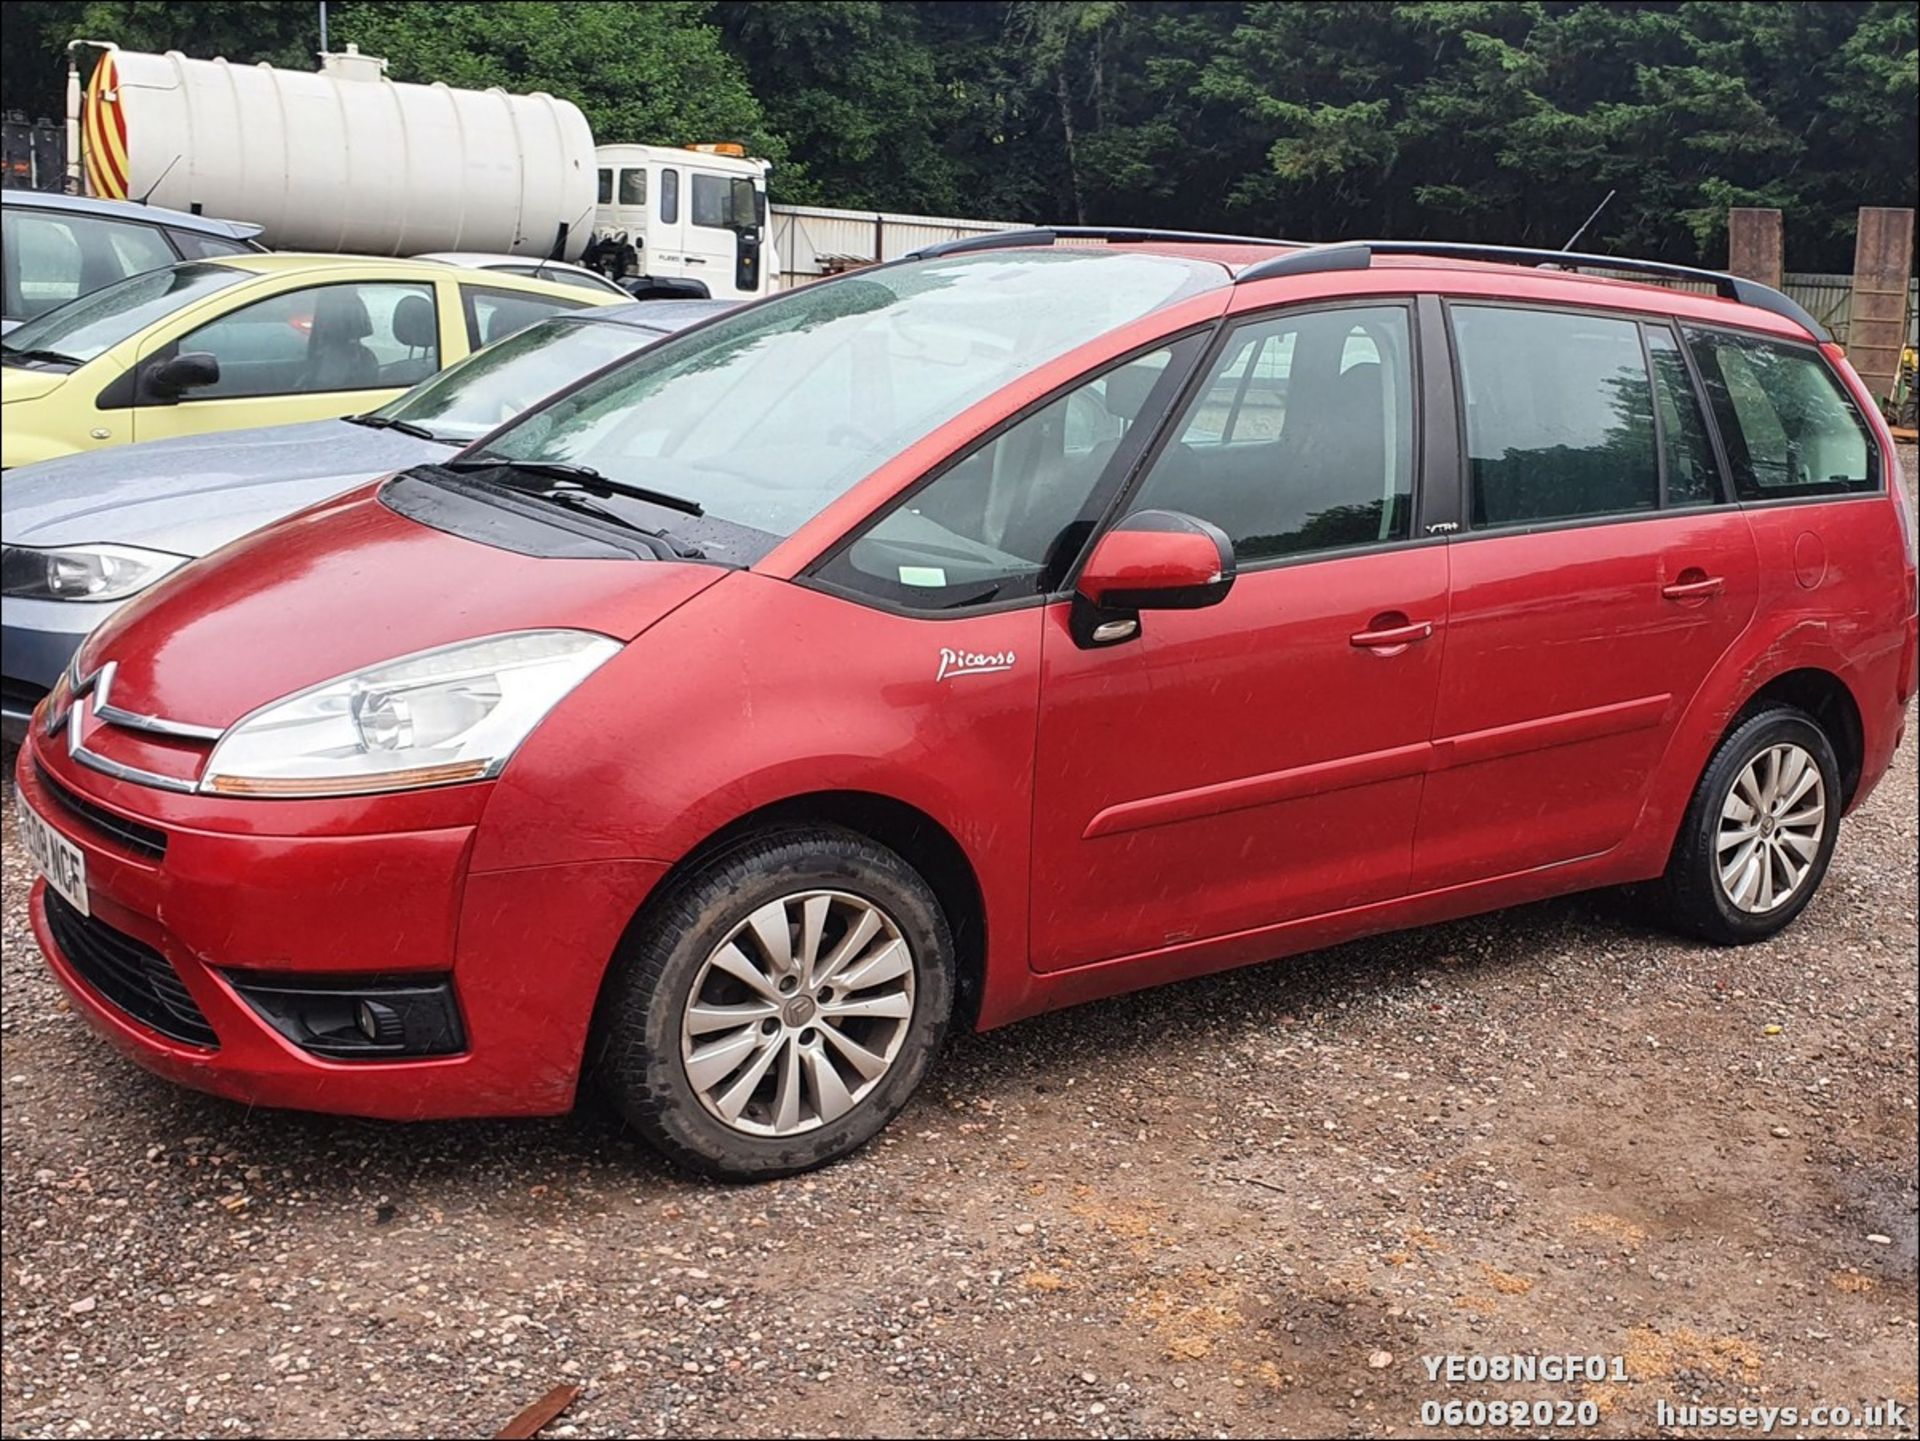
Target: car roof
{"x": 471, "y": 258}
{"x": 664, "y": 316}
{"x": 129, "y": 210}
{"x": 282, "y": 262}
{"x": 1729, "y": 300}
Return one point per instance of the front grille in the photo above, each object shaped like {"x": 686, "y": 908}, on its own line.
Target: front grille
{"x": 20, "y": 695}
{"x": 134, "y": 977}
{"x": 142, "y": 840}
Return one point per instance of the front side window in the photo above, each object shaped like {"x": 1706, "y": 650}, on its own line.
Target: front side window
{"x": 1301, "y": 437}
{"x": 1789, "y": 428}
{"x": 1006, "y": 522}
{"x": 669, "y": 197}
{"x": 491, "y": 386}
{"x": 323, "y": 338}
{"x": 494, "y": 314}
{"x": 766, "y": 414}
{"x": 713, "y": 203}
{"x": 1559, "y": 414}
{"x": 51, "y": 259}
{"x": 94, "y": 324}
{"x": 633, "y": 186}
{"x": 603, "y": 195}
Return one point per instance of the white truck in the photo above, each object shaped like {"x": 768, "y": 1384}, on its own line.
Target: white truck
{"x": 345, "y": 159}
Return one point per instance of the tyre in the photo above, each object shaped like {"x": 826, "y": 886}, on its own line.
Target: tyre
{"x": 778, "y": 1006}
{"x": 1758, "y": 832}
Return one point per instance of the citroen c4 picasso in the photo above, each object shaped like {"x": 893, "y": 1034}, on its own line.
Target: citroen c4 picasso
{"x": 967, "y": 637}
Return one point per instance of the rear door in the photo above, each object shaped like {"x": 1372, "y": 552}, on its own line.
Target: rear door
{"x": 1598, "y": 576}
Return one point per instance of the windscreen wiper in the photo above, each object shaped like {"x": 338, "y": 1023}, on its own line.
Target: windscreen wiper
{"x": 387, "y": 422}
{"x": 585, "y": 477}
{"x": 52, "y": 357}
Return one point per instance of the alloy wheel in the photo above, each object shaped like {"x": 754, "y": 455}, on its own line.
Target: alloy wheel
{"x": 1771, "y": 827}
{"x": 799, "y": 1013}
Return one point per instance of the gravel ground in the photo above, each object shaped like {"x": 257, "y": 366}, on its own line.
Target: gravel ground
{"x": 1245, "y": 1207}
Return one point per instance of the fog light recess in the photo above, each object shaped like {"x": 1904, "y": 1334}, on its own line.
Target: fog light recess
{"x": 359, "y": 1019}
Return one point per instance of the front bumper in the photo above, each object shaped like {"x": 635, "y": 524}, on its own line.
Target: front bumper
{"x": 37, "y": 639}
{"x": 526, "y": 947}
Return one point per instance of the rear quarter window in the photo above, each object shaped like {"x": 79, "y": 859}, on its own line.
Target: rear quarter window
{"x": 1790, "y": 429}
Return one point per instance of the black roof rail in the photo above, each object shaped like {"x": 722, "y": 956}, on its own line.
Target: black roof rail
{"x": 1358, "y": 255}
{"x": 1047, "y": 235}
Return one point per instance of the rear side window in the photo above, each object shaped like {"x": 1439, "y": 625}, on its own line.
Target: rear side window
{"x": 1559, "y": 415}
{"x": 1693, "y": 476}
{"x": 670, "y": 197}
{"x": 603, "y": 193}
{"x": 633, "y": 187}
{"x": 1789, "y": 428}
{"x": 1302, "y": 437}
{"x": 494, "y": 313}
{"x": 196, "y": 246}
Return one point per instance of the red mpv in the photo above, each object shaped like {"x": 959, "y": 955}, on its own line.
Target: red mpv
{"x": 970, "y": 636}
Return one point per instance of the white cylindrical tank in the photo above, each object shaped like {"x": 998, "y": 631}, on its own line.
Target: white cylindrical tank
{"x": 342, "y": 160}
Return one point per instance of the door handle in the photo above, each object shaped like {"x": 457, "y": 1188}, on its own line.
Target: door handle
{"x": 1697, "y": 589}
{"x": 695, "y": 260}
{"x": 1392, "y": 637}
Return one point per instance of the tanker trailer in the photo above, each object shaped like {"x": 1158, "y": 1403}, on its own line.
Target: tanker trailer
{"x": 339, "y": 160}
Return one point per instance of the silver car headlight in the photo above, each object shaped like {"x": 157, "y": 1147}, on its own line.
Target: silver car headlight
{"x": 434, "y": 718}
{"x": 82, "y": 572}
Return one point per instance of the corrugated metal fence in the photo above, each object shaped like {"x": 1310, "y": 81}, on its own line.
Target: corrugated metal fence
{"x": 813, "y": 241}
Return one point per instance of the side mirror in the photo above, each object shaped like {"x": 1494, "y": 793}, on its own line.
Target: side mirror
{"x": 1152, "y": 560}
{"x": 188, "y": 371}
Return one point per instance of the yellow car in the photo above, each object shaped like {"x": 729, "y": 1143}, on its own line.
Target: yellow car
{"x": 246, "y": 340}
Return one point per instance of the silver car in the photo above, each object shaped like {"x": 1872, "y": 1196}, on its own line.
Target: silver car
{"x": 59, "y": 247}
{"x": 84, "y": 533}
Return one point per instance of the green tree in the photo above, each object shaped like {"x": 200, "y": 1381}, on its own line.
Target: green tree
{"x": 655, "y": 73}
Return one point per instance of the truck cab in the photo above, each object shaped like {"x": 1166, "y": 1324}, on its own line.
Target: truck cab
{"x": 683, "y": 221}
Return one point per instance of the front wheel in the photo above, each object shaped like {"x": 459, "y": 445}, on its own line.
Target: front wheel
{"x": 779, "y": 1006}
{"x": 1759, "y": 832}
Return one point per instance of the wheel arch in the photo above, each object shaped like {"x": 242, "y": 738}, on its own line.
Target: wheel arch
{"x": 1830, "y": 701}
{"x": 912, "y": 834}
{"x": 1812, "y": 684}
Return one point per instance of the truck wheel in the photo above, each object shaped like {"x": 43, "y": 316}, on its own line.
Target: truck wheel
{"x": 778, "y": 1006}
{"x": 1759, "y": 831}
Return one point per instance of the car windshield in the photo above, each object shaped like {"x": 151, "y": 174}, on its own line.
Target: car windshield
{"x": 765, "y": 416}
{"x": 92, "y": 325}
{"x": 491, "y": 386}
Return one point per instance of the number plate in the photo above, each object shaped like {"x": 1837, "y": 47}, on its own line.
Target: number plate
{"x": 54, "y": 856}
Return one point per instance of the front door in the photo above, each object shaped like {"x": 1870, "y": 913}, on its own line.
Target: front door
{"x": 306, "y": 354}
{"x": 1598, "y": 581}
{"x": 1261, "y": 760}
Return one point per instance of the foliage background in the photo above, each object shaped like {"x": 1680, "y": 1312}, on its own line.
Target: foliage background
{"x": 1494, "y": 120}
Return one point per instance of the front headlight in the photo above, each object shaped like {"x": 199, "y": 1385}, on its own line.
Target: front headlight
{"x": 429, "y": 719}
{"x": 82, "y": 572}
